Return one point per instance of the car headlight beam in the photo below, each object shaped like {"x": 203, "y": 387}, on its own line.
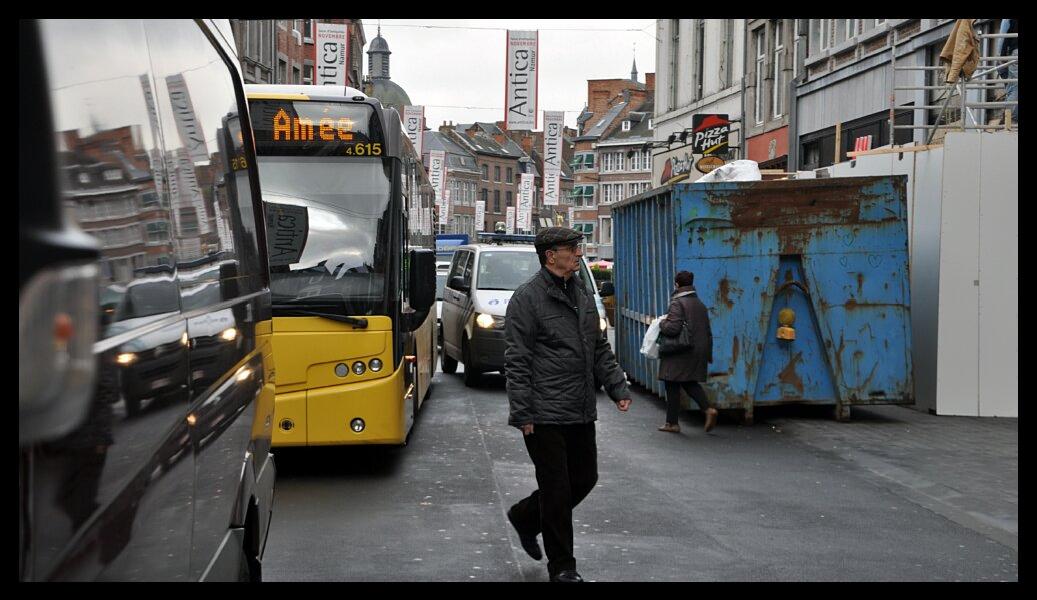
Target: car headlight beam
{"x": 484, "y": 320}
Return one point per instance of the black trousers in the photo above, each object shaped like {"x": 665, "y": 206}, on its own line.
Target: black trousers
{"x": 673, "y": 397}
{"x": 566, "y": 461}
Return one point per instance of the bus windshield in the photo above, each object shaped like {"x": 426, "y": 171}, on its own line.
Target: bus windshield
{"x": 328, "y": 232}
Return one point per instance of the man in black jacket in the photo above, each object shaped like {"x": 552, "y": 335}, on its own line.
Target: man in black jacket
{"x": 555, "y": 354}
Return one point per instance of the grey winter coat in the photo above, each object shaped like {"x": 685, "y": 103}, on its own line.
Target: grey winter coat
{"x": 692, "y": 364}
{"x": 555, "y": 352}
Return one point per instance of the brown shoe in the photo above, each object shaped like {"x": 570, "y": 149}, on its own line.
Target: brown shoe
{"x": 670, "y": 428}
{"x": 711, "y": 418}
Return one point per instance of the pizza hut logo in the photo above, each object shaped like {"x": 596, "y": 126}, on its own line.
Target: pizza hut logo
{"x": 710, "y": 133}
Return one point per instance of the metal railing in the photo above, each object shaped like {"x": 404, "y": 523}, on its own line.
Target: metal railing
{"x": 980, "y": 83}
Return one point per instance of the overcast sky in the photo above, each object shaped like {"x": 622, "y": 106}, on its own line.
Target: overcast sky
{"x": 449, "y": 64}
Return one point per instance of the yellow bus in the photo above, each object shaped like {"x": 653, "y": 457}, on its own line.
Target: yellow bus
{"x": 352, "y": 275}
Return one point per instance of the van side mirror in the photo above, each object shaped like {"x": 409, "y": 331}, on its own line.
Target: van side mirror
{"x": 422, "y": 279}
{"x": 457, "y": 282}
{"x": 607, "y": 289}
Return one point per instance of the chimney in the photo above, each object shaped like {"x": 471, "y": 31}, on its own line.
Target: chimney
{"x": 650, "y": 82}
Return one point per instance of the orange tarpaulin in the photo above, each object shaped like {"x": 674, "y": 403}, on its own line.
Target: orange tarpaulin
{"x": 961, "y": 51}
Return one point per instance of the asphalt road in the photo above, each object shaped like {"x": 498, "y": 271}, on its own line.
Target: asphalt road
{"x": 739, "y": 504}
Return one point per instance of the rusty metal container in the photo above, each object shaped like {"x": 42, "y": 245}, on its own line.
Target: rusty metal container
{"x": 806, "y": 283}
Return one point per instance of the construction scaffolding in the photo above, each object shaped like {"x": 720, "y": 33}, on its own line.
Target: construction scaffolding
{"x": 976, "y": 93}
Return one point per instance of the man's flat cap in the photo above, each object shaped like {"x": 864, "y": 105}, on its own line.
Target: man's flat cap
{"x": 556, "y": 236}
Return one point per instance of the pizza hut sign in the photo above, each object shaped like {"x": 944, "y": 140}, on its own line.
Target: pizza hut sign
{"x": 710, "y": 134}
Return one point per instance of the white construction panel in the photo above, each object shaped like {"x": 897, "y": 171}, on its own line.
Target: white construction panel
{"x": 999, "y": 276}
{"x": 957, "y": 385}
{"x": 925, "y": 215}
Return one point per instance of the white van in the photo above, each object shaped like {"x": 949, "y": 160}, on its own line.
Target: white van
{"x": 480, "y": 283}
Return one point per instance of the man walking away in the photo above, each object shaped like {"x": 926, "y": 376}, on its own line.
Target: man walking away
{"x": 554, "y": 354}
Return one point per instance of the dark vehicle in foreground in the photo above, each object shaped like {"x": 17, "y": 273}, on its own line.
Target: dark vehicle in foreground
{"x": 146, "y": 387}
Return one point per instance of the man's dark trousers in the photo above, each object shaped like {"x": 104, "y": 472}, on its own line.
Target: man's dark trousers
{"x": 566, "y": 461}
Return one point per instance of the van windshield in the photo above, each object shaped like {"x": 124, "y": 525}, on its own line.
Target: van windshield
{"x": 505, "y": 270}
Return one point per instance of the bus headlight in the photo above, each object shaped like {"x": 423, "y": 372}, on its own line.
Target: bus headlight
{"x": 603, "y": 324}
{"x": 484, "y": 320}
{"x": 228, "y": 335}
{"x": 359, "y": 368}
{"x": 375, "y": 365}
{"x": 126, "y": 358}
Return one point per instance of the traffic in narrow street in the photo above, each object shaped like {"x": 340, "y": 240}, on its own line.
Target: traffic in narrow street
{"x": 740, "y": 503}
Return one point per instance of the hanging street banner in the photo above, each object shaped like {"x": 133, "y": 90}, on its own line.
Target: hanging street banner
{"x": 554, "y": 125}
{"x": 570, "y": 217}
{"x": 331, "y": 53}
{"x": 187, "y": 124}
{"x": 520, "y": 95}
{"x": 710, "y": 133}
{"x": 525, "y": 203}
{"x": 509, "y": 223}
{"x": 426, "y": 221}
{"x": 444, "y": 215}
{"x": 436, "y": 166}
{"x": 414, "y": 123}
{"x": 480, "y": 215}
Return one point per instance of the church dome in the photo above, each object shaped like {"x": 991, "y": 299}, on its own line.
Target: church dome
{"x": 389, "y": 93}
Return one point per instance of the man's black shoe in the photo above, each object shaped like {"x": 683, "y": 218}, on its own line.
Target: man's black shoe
{"x": 567, "y": 577}
{"x": 529, "y": 542}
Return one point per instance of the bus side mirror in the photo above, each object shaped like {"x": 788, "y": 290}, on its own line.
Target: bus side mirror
{"x": 607, "y": 289}
{"x": 422, "y": 279}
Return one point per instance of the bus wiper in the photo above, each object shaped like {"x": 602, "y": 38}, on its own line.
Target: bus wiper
{"x": 290, "y": 309}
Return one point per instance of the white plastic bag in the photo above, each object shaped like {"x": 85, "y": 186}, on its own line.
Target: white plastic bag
{"x": 736, "y": 170}
{"x": 650, "y": 347}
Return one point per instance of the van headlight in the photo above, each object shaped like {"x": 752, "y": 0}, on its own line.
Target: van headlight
{"x": 485, "y": 321}
{"x": 602, "y": 323}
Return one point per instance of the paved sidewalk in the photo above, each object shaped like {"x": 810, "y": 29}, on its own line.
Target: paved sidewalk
{"x": 963, "y": 468}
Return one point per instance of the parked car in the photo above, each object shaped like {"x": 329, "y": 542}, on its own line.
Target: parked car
{"x": 479, "y": 285}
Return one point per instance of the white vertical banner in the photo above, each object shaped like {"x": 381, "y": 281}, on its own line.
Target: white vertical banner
{"x": 414, "y": 122}
{"x": 446, "y": 206}
{"x": 525, "y": 203}
{"x": 520, "y": 95}
{"x": 480, "y": 215}
{"x": 554, "y": 124}
{"x": 436, "y": 160}
{"x": 509, "y": 223}
{"x": 187, "y": 124}
{"x": 570, "y": 217}
{"x": 426, "y": 221}
{"x": 331, "y": 49}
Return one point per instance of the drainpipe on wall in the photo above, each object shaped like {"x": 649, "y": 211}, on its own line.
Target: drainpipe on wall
{"x": 742, "y": 144}
{"x": 793, "y": 135}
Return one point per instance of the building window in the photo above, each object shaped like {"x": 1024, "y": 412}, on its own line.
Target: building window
{"x": 779, "y": 54}
{"x": 510, "y": 175}
{"x": 484, "y": 195}
{"x": 700, "y": 58}
{"x": 605, "y": 224}
{"x": 496, "y": 201}
{"x": 307, "y": 74}
{"x": 307, "y": 30}
{"x": 626, "y": 125}
{"x": 587, "y": 229}
{"x": 507, "y": 199}
{"x": 296, "y": 75}
{"x": 651, "y": 123}
{"x": 158, "y": 232}
{"x": 675, "y": 52}
{"x": 485, "y": 172}
{"x": 496, "y": 173}
{"x": 759, "y": 37}
{"x": 282, "y": 71}
{"x": 149, "y": 200}
{"x": 820, "y": 30}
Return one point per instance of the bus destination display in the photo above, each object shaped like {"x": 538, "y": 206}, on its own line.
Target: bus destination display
{"x": 312, "y": 128}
